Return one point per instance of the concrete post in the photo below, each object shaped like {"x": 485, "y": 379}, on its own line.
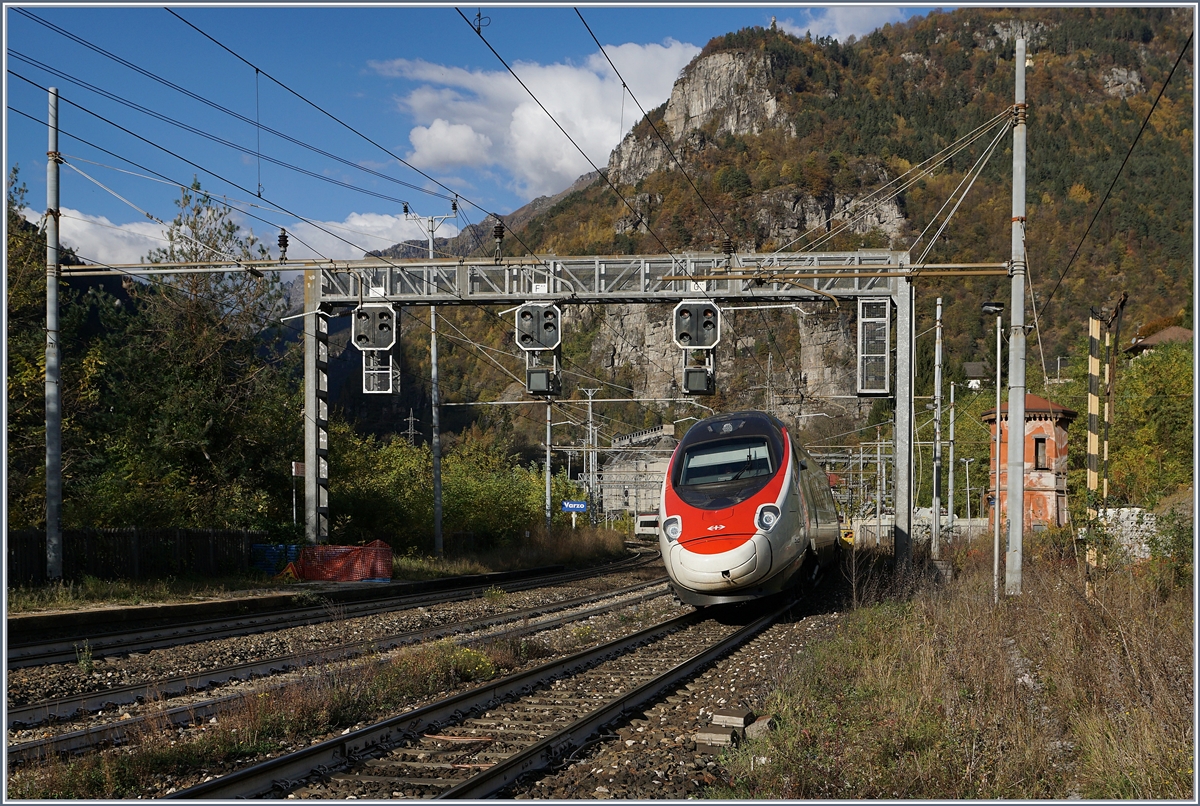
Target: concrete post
{"x": 54, "y": 549}
{"x": 1016, "y": 345}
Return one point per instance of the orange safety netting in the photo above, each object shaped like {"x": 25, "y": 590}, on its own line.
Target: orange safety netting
{"x": 346, "y": 563}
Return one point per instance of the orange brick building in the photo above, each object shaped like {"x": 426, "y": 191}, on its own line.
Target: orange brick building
{"x": 1045, "y": 462}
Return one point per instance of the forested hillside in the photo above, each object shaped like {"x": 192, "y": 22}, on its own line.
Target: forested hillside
{"x": 853, "y": 115}
{"x": 182, "y": 401}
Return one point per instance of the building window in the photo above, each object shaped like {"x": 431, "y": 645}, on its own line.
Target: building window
{"x": 1039, "y": 454}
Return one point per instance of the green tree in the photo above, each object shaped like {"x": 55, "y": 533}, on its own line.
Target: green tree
{"x": 25, "y": 275}
{"x": 200, "y": 411}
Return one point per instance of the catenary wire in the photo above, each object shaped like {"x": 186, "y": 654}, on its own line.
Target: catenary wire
{"x": 166, "y": 119}
{"x": 1117, "y": 176}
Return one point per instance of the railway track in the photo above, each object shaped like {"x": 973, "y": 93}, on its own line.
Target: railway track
{"x": 116, "y": 732}
{"x": 477, "y": 743}
{"x": 22, "y": 652}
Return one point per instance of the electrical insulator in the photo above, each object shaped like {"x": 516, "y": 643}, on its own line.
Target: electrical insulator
{"x": 454, "y": 206}
{"x": 498, "y": 232}
{"x": 727, "y": 245}
{"x": 406, "y": 208}
{"x": 283, "y": 244}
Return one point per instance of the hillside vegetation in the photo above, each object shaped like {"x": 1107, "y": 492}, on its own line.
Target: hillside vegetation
{"x": 853, "y": 115}
{"x": 196, "y": 426}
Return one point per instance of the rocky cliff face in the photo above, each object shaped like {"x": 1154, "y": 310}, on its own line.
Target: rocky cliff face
{"x": 727, "y": 89}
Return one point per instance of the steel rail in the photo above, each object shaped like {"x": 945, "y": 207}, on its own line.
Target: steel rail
{"x": 545, "y": 753}
{"x": 117, "y": 733}
{"x": 66, "y": 708}
{"x": 64, "y": 650}
{"x": 285, "y": 773}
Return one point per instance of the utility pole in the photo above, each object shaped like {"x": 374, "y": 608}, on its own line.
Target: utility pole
{"x": 430, "y": 226}
{"x": 878, "y": 484}
{"x": 411, "y": 432}
{"x": 1016, "y": 344}
{"x": 950, "y": 481}
{"x": 54, "y": 548}
{"x": 936, "y": 513}
{"x": 589, "y": 457}
{"x": 436, "y": 436}
{"x": 548, "y": 443}
{"x": 1110, "y": 379}
{"x": 996, "y": 505}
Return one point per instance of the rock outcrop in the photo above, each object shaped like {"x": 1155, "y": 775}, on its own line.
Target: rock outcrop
{"x": 728, "y": 92}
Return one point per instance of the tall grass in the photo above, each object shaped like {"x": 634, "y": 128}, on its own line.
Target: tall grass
{"x": 941, "y": 694}
{"x": 267, "y": 721}
{"x": 91, "y": 591}
{"x": 572, "y": 547}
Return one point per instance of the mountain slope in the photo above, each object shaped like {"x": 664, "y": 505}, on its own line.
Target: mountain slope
{"x": 783, "y": 137}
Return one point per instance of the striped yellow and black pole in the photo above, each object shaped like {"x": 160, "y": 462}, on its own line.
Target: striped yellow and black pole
{"x": 1093, "y": 441}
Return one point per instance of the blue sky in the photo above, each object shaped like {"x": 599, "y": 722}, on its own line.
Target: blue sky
{"x": 418, "y": 81}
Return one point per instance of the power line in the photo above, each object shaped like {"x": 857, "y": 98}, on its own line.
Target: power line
{"x": 341, "y": 122}
{"x": 646, "y": 117}
{"x": 1113, "y": 184}
{"x": 164, "y": 118}
{"x": 603, "y": 176}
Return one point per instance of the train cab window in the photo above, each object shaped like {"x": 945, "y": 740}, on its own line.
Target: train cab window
{"x": 726, "y": 461}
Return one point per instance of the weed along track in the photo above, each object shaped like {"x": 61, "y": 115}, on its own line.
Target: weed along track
{"x": 485, "y": 740}
{"x": 37, "y": 640}
{"x": 66, "y": 708}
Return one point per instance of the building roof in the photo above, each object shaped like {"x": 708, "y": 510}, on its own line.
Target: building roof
{"x": 1034, "y": 407}
{"x": 1174, "y": 333}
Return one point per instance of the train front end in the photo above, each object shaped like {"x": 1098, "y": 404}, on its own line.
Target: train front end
{"x": 729, "y": 521}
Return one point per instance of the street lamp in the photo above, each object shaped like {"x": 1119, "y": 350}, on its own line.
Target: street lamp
{"x": 996, "y": 308}
{"x": 967, "y": 468}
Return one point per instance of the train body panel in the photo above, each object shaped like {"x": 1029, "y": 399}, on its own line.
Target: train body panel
{"x": 743, "y": 509}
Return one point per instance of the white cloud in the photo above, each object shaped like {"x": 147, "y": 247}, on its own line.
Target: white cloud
{"x": 357, "y": 234}
{"x": 443, "y": 144}
{"x": 842, "y": 22}
{"x": 476, "y": 119}
{"x": 96, "y": 239}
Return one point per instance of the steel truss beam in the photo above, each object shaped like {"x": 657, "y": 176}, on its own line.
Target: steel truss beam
{"x": 596, "y": 279}
{"x": 624, "y": 279}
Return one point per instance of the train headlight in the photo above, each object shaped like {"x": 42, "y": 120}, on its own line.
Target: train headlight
{"x": 767, "y": 517}
{"x": 673, "y": 528}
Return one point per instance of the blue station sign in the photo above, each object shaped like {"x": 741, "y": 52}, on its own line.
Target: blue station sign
{"x": 574, "y": 506}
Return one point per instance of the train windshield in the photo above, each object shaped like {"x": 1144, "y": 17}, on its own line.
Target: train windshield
{"x": 726, "y": 461}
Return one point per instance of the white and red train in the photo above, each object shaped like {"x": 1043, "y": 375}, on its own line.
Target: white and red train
{"x": 744, "y": 509}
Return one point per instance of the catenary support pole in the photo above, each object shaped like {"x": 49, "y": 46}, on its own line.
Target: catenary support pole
{"x": 996, "y": 503}
{"x": 1016, "y": 345}
{"x": 589, "y": 461}
{"x": 878, "y": 485}
{"x": 935, "y": 549}
{"x": 436, "y": 436}
{"x": 902, "y": 460}
{"x": 54, "y": 548}
{"x": 548, "y": 444}
{"x": 950, "y": 475}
